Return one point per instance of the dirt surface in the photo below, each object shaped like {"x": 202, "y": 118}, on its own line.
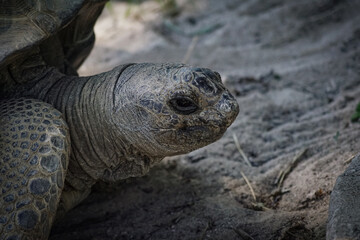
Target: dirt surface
{"x": 294, "y": 67}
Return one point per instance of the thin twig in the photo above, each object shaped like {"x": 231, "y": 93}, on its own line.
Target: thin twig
{"x": 248, "y": 183}
{"x": 237, "y": 144}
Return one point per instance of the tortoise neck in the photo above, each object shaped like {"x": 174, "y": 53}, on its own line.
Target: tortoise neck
{"x": 27, "y": 70}
{"x": 99, "y": 150}
{"x": 72, "y": 96}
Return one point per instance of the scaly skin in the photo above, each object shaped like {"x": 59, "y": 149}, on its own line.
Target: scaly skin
{"x": 34, "y": 155}
{"x": 124, "y": 121}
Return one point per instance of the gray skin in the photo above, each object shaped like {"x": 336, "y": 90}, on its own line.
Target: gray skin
{"x": 344, "y": 210}
{"x": 60, "y": 133}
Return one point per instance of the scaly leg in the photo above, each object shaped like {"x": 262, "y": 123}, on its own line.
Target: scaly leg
{"x": 34, "y": 156}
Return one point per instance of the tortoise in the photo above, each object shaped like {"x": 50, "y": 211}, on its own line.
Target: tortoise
{"x": 61, "y": 133}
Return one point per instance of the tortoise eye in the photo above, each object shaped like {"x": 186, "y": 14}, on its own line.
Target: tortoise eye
{"x": 183, "y": 105}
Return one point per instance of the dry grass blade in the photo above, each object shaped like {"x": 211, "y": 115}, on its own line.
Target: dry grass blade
{"x": 349, "y": 160}
{"x": 260, "y": 206}
{"x": 284, "y": 173}
{"x": 204, "y": 232}
{"x": 237, "y": 144}
{"x": 190, "y": 49}
{"x": 248, "y": 183}
{"x": 242, "y": 234}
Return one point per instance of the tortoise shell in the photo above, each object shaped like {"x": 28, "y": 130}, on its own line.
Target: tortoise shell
{"x": 61, "y": 29}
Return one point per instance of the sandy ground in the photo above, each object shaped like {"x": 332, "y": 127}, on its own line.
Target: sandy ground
{"x": 294, "y": 67}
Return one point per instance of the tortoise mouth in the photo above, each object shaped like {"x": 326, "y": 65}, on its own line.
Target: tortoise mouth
{"x": 199, "y": 135}
{"x": 196, "y": 128}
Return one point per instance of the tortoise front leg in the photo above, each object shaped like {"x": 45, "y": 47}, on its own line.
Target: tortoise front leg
{"x": 69, "y": 199}
{"x": 34, "y": 155}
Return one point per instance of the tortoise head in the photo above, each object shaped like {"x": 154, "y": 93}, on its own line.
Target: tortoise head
{"x": 173, "y": 109}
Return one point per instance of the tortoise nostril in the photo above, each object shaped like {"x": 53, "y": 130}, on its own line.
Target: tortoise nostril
{"x": 228, "y": 104}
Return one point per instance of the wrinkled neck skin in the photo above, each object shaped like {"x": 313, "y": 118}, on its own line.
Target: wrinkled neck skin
{"x": 101, "y": 149}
